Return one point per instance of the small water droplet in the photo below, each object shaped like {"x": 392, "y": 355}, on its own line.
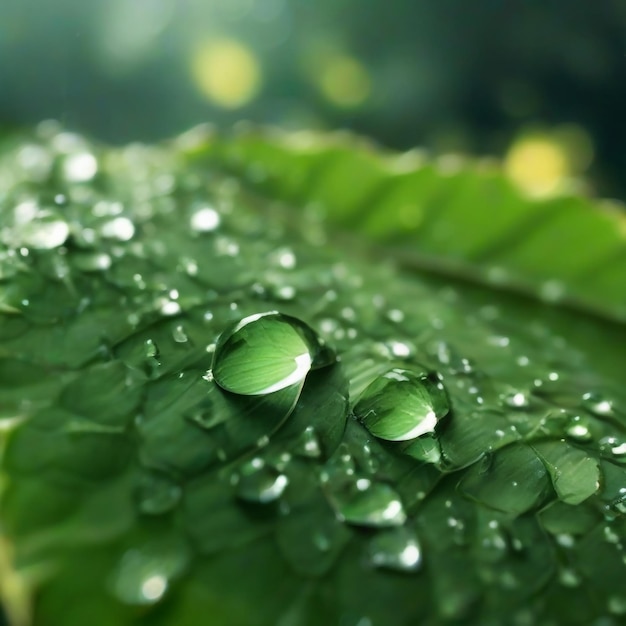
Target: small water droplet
{"x": 205, "y": 220}
{"x": 565, "y": 540}
{"x": 362, "y": 502}
{"x": 144, "y": 574}
{"x": 286, "y": 258}
{"x": 516, "y": 400}
{"x": 267, "y": 352}
{"x": 396, "y": 549}
{"x": 569, "y": 577}
{"x": 261, "y": 483}
{"x": 610, "y": 535}
{"x": 152, "y": 351}
{"x": 92, "y": 262}
{"x": 157, "y": 494}
{"x": 190, "y": 266}
{"x": 179, "y": 335}
{"x": 401, "y": 405}
{"x": 578, "y": 430}
{"x": 597, "y": 404}
{"x": 168, "y": 307}
{"x": 285, "y": 292}
{"x": 308, "y": 444}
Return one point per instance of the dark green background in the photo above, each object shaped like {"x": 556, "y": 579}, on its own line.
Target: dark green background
{"x": 448, "y": 74}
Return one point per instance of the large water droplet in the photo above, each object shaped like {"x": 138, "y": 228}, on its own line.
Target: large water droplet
{"x": 267, "y": 352}
{"x": 395, "y": 549}
{"x": 401, "y": 405}
{"x": 365, "y": 503}
{"x": 258, "y": 482}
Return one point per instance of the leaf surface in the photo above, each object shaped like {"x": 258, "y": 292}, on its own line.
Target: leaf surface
{"x": 136, "y": 490}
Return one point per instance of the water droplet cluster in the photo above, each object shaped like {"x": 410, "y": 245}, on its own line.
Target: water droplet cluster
{"x": 201, "y": 395}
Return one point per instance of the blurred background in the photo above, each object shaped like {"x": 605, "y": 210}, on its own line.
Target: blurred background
{"x": 540, "y": 83}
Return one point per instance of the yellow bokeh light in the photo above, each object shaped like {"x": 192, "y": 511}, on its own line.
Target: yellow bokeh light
{"x": 538, "y": 164}
{"x": 344, "y": 81}
{"x": 227, "y": 72}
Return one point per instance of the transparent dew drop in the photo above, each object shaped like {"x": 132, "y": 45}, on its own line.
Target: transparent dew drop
{"x": 151, "y": 349}
{"x": 396, "y": 549}
{"x": 266, "y": 352}
{"x": 516, "y": 400}
{"x": 597, "y": 404}
{"x": 144, "y": 574}
{"x": 179, "y": 335}
{"x": 362, "y": 502}
{"x": 205, "y": 220}
{"x": 401, "y": 405}
{"x": 578, "y": 430}
{"x": 285, "y": 258}
{"x": 157, "y": 494}
{"x": 308, "y": 444}
{"x": 260, "y": 483}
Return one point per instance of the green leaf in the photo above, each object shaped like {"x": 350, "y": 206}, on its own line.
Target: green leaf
{"x": 468, "y": 221}
{"x": 166, "y": 456}
{"x": 513, "y": 481}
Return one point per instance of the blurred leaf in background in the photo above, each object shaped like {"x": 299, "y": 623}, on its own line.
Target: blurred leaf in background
{"x": 452, "y": 75}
